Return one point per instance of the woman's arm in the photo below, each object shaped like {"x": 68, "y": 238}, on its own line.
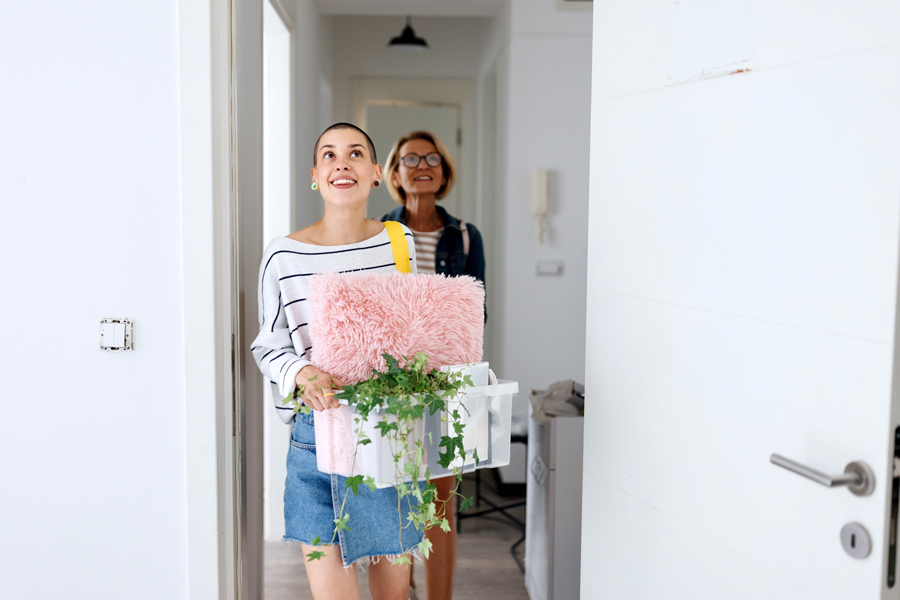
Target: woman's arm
{"x": 273, "y": 348}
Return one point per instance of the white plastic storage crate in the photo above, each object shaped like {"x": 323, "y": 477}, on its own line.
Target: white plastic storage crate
{"x": 486, "y": 415}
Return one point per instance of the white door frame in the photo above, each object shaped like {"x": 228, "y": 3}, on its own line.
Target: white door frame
{"x": 208, "y": 201}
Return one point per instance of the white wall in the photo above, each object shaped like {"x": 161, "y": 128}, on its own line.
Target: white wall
{"x": 93, "y": 443}
{"x": 312, "y": 108}
{"x": 277, "y": 121}
{"x": 539, "y": 60}
{"x": 547, "y": 108}
{"x": 541, "y": 17}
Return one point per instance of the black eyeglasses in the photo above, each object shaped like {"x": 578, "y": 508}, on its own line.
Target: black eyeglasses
{"x": 432, "y": 159}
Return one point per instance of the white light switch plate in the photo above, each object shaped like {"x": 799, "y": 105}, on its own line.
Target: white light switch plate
{"x": 549, "y": 267}
{"x": 116, "y": 335}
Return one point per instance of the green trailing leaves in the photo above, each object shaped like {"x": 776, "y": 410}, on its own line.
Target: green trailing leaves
{"x": 425, "y": 547}
{"x": 385, "y": 427}
{"x": 295, "y": 399}
{"x": 341, "y": 523}
{"x": 353, "y": 483}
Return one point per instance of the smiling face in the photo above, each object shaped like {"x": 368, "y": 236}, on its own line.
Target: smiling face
{"x": 423, "y": 179}
{"x": 344, "y": 171}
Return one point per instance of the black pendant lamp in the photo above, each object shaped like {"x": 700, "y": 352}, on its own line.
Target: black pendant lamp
{"x": 408, "y": 40}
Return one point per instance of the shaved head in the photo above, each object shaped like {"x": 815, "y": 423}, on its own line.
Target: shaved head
{"x": 345, "y": 126}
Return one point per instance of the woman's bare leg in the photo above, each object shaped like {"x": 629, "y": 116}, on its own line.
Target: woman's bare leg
{"x": 328, "y": 579}
{"x": 441, "y": 566}
{"x": 387, "y": 581}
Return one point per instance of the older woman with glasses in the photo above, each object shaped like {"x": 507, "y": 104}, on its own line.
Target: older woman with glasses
{"x": 419, "y": 172}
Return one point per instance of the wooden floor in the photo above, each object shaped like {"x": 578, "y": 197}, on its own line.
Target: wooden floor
{"x": 485, "y": 568}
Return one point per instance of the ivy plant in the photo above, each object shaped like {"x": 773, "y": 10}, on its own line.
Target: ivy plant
{"x": 398, "y": 399}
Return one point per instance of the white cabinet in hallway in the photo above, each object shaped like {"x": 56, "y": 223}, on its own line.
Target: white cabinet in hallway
{"x": 553, "y": 509}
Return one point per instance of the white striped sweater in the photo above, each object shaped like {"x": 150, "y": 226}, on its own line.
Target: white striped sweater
{"x": 283, "y": 345}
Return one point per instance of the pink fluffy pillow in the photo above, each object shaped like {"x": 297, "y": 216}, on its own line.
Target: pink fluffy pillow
{"x": 359, "y": 316}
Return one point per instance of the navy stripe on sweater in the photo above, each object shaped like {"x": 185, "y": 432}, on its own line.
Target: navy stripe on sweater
{"x": 275, "y": 320}
{"x": 277, "y": 357}
{"x": 283, "y": 377}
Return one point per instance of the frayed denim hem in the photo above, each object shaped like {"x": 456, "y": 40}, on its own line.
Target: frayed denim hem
{"x": 287, "y": 540}
{"x": 363, "y": 561}
{"x": 367, "y": 561}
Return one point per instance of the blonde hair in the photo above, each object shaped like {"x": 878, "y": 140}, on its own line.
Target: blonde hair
{"x": 393, "y": 163}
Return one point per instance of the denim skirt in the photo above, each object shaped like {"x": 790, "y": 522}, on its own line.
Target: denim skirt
{"x": 312, "y": 502}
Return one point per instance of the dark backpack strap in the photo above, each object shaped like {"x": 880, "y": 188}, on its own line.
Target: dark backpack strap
{"x": 465, "y": 234}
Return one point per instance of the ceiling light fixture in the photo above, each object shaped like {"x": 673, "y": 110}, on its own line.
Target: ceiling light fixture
{"x": 407, "y": 40}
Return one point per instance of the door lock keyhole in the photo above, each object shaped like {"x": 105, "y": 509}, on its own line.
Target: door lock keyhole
{"x": 855, "y": 540}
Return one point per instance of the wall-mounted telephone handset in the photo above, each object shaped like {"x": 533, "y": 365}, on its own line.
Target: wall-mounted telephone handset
{"x": 540, "y": 198}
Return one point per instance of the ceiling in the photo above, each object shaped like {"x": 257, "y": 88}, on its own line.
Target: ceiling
{"x": 416, "y": 8}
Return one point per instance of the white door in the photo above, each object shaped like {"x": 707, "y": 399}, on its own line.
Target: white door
{"x": 385, "y": 123}
{"x": 742, "y": 298}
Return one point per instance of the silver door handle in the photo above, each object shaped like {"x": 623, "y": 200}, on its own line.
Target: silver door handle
{"x": 857, "y": 476}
